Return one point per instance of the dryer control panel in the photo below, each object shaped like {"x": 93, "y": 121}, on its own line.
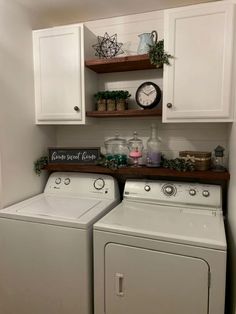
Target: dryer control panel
{"x": 174, "y": 193}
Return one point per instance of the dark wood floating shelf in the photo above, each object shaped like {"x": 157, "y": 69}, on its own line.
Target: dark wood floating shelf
{"x": 120, "y": 64}
{"x": 208, "y": 176}
{"x": 125, "y": 113}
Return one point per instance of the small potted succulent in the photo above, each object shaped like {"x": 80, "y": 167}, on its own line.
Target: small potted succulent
{"x": 121, "y": 99}
{"x": 111, "y": 100}
{"x": 101, "y": 100}
{"x": 157, "y": 55}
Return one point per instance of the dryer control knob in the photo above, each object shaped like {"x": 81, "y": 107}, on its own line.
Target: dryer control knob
{"x": 99, "y": 184}
{"x": 169, "y": 189}
{"x": 147, "y": 188}
{"x": 192, "y": 192}
{"x": 205, "y": 193}
{"x": 58, "y": 180}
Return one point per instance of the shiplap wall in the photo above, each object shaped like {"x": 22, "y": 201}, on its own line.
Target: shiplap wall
{"x": 174, "y": 137}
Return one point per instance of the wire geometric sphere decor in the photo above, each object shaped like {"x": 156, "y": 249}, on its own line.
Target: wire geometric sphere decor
{"x": 107, "y": 46}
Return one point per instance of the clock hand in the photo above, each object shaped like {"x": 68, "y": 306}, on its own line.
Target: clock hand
{"x": 151, "y": 92}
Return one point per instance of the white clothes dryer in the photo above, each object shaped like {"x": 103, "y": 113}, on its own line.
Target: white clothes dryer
{"x": 162, "y": 250}
{"x": 46, "y": 245}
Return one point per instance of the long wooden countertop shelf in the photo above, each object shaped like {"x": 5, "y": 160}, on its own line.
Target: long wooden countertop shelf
{"x": 208, "y": 176}
{"x": 125, "y": 113}
{"x": 120, "y": 64}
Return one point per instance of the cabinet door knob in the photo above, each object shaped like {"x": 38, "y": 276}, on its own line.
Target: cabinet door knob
{"x": 169, "y": 105}
{"x": 76, "y": 108}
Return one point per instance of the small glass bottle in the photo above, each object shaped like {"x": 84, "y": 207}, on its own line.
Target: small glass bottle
{"x": 153, "y": 149}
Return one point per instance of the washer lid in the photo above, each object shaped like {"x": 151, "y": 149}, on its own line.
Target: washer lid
{"x": 173, "y": 224}
{"x": 67, "y": 211}
{"x": 58, "y": 207}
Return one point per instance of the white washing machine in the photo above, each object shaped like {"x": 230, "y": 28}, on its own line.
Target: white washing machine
{"x": 46, "y": 245}
{"x": 162, "y": 250}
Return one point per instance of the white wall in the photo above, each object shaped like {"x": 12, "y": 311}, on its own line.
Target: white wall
{"x": 175, "y": 137}
{"x": 21, "y": 141}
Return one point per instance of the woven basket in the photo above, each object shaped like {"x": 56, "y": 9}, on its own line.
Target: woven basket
{"x": 202, "y": 160}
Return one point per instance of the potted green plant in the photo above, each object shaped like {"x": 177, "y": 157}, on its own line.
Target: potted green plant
{"x": 111, "y": 100}
{"x": 157, "y": 55}
{"x": 100, "y": 100}
{"x": 121, "y": 99}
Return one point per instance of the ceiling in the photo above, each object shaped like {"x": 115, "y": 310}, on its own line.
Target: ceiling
{"x": 56, "y": 12}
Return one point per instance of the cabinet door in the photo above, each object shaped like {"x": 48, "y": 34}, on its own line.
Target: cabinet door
{"x": 197, "y": 85}
{"x": 58, "y": 75}
{"x": 145, "y": 281}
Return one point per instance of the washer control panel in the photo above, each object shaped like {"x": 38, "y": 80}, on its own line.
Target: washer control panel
{"x": 176, "y": 193}
{"x": 82, "y": 184}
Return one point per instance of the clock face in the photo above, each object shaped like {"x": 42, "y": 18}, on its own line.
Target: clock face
{"x": 148, "y": 95}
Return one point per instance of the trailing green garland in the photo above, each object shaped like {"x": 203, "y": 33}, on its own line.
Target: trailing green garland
{"x": 39, "y": 164}
{"x": 178, "y": 164}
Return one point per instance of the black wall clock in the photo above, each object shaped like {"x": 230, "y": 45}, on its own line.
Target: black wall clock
{"x": 148, "y": 95}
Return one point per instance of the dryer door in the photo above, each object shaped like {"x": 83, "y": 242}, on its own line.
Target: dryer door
{"x": 144, "y": 281}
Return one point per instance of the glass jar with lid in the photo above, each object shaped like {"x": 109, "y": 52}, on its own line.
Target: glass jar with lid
{"x": 135, "y": 146}
{"x": 116, "y": 148}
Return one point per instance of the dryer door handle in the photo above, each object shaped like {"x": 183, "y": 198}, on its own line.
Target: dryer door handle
{"x": 119, "y": 282}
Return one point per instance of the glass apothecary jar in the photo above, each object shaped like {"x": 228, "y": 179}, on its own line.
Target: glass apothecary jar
{"x": 116, "y": 148}
{"x": 135, "y": 146}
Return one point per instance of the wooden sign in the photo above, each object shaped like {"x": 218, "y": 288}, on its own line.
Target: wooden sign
{"x": 73, "y": 155}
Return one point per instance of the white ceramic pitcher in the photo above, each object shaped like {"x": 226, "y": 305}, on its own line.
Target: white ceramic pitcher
{"x": 146, "y": 39}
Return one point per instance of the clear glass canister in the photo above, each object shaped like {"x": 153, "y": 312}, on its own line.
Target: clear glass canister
{"x": 116, "y": 148}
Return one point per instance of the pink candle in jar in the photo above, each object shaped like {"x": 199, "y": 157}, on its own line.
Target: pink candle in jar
{"x": 135, "y": 154}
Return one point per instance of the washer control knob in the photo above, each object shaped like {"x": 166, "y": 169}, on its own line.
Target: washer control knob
{"x": 192, "y": 192}
{"x": 58, "y": 180}
{"x": 99, "y": 184}
{"x": 67, "y": 181}
{"x": 169, "y": 190}
{"x": 205, "y": 193}
{"x": 147, "y": 188}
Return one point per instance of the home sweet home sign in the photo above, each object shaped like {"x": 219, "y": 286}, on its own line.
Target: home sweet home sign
{"x": 73, "y": 155}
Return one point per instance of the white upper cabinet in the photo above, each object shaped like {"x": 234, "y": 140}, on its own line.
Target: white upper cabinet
{"x": 60, "y": 75}
{"x": 197, "y": 85}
